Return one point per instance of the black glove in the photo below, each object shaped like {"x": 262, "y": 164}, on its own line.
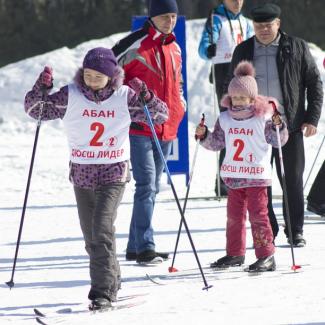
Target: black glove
{"x": 211, "y": 50}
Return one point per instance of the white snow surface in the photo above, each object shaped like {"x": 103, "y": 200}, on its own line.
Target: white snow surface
{"x": 52, "y": 267}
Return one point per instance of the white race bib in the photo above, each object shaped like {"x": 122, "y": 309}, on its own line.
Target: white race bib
{"x": 248, "y": 155}
{"x": 98, "y": 133}
{"x": 229, "y": 39}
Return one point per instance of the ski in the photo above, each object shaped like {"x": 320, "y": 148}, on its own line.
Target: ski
{"x": 40, "y": 321}
{"x": 187, "y": 274}
{"x": 116, "y": 307}
{"x": 132, "y": 296}
{"x": 43, "y": 318}
{"x": 217, "y": 274}
{"x": 278, "y": 271}
{"x": 315, "y": 217}
{"x": 155, "y": 280}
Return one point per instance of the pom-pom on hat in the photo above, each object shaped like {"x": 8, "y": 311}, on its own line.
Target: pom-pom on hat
{"x": 265, "y": 13}
{"x": 160, "y": 7}
{"x": 102, "y": 60}
{"x": 243, "y": 83}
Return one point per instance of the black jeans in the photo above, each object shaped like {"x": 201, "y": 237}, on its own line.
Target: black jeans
{"x": 221, "y": 72}
{"x": 97, "y": 211}
{"x": 294, "y": 165}
{"x": 317, "y": 192}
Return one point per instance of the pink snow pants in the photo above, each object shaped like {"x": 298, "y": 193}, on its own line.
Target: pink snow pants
{"x": 254, "y": 200}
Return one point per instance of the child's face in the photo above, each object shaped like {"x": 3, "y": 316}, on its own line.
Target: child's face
{"x": 241, "y": 100}
{"x": 94, "y": 79}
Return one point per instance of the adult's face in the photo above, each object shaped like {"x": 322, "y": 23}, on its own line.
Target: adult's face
{"x": 266, "y": 33}
{"x": 165, "y": 23}
{"x": 234, "y": 5}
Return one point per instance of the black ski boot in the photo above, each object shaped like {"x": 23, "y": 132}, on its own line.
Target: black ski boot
{"x": 228, "y": 261}
{"x": 131, "y": 256}
{"x": 100, "y": 304}
{"x": 149, "y": 257}
{"x": 298, "y": 240}
{"x": 263, "y": 264}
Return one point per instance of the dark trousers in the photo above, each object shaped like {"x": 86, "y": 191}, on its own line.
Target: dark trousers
{"x": 220, "y": 73}
{"x": 317, "y": 192}
{"x": 294, "y": 165}
{"x": 97, "y": 211}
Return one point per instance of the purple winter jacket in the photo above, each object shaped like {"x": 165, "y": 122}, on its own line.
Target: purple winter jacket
{"x": 216, "y": 140}
{"x": 90, "y": 176}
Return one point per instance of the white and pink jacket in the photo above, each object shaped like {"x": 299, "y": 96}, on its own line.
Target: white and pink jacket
{"x": 248, "y": 135}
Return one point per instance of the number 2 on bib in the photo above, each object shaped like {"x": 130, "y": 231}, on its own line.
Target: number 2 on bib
{"x": 99, "y": 129}
{"x": 239, "y": 144}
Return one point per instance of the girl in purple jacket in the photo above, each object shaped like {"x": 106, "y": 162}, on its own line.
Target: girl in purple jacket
{"x": 96, "y": 110}
{"x": 247, "y": 131}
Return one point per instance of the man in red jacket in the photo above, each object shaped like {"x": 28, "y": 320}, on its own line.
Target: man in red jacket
{"x": 152, "y": 54}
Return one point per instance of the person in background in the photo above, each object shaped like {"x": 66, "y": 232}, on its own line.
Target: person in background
{"x": 225, "y": 28}
{"x": 285, "y": 70}
{"x": 152, "y": 54}
{"x": 96, "y": 110}
{"x": 248, "y": 130}
{"x": 316, "y": 196}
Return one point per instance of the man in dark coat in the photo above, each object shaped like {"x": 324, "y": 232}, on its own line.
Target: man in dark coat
{"x": 285, "y": 70}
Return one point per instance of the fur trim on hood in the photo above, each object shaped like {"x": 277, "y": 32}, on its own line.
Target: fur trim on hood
{"x": 115, "y": 83}
{"x": 262, "y": 104}
{"x": 118, "y": 78}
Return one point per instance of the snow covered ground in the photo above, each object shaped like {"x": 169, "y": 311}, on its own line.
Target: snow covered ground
{"x": 52, "y": 269}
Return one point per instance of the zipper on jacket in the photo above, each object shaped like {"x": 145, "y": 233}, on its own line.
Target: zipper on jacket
{"x": 173, "y": 64}
{"x": 97, "y": 98}
{"x": 158, "y": 60}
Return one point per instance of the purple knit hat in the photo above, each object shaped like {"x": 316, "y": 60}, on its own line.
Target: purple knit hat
{"x": 102, "y": 60}
{"x": 244, "y": 82}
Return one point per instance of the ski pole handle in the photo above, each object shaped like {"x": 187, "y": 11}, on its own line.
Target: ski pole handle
{"x": 201, "y": 130}
{"x": 276, "y": 117}
{"x": 202, "y": 120}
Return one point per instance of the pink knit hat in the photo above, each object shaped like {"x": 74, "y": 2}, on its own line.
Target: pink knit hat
{"x": 243, "y": 83}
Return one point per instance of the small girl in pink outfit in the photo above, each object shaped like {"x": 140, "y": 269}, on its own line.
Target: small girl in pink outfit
{"x": 247, "y": 131}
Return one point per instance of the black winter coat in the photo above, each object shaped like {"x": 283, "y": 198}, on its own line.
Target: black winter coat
{"x": 299, "y": 77}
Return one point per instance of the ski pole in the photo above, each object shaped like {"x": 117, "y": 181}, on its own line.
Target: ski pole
{"x": 213, "y": 72}
{"x": 312, "y": 167}
{"x": 294, "y": 267}
{"x": 172, "y": 268}
{"x": 206, "y": 286}
{"x": 39, "y": 120}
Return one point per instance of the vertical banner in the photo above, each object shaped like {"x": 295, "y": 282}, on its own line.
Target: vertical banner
{"x": 178, "y": 161}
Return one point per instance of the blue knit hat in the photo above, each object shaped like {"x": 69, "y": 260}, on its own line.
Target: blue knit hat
{"x": 102, "y": 60}
{"x": 160, "y": 7}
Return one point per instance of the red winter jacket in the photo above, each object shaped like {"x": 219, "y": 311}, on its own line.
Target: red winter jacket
{"x": 156, "y": 59}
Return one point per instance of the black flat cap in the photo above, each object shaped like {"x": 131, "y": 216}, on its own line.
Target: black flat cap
{"x": 265, "y": 13}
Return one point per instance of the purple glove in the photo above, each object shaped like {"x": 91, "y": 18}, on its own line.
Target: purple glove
{"x": 46, "y": 77}
{"x": 140, "y": 88}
